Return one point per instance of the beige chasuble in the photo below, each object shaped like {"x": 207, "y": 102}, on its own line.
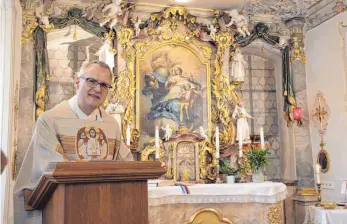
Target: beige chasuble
{"x": 65, "y": 133}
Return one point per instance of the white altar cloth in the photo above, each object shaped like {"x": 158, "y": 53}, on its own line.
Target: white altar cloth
{"x": 266, "y": 192}
{"x": 319, "y": 215}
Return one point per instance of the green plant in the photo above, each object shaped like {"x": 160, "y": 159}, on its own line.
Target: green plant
{"x": 226, "y": 169}
{"x": 258, "y": 158}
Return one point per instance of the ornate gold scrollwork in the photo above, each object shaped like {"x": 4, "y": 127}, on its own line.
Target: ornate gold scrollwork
{"x": 40, "y": 100}
{"x": 27, "y": 34}
{"x": 124, "y": 37}
{"x": 207, "y": 162}
{"x": 149, "y": 154}
{"x": 110, "y": 37}
{"x": 47, "y": 28}
{"x": 275, "y": 215}
{"x": 208, "y": 215}
{"x": 135, "y": 139}
{"x": 224, "y": 92}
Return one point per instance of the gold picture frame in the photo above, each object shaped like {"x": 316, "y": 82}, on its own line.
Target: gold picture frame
{"x": 142, "y": 55}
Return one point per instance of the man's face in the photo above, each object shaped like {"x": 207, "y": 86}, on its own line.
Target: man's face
{"x": 90, "y": 97}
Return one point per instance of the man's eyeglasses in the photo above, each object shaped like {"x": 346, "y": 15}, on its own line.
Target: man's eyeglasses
{"x": 93, "y": 83}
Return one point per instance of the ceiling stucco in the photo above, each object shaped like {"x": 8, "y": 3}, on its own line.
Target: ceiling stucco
{"x": 315, "y": 11}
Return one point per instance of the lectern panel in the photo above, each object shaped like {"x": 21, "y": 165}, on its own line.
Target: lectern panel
{"x": 105, "y": 203}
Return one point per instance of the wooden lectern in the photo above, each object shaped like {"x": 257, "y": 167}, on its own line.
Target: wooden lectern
{"x": 102, "y": 192}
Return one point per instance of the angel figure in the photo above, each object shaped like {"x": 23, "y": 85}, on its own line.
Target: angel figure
{"x": 203, "y": 133}
{"x": 137, "y": 27}
{"x": 39, "y": 12}
{"x": 168, "y": 132}
{"x": 242, "y": 124}
{"x": 284, "y": 41}
{"x": 113, "y": 11}
{"x": 213, "y": 30}
{"x": 238, "y": 66}
{"x": 240, "y": 21}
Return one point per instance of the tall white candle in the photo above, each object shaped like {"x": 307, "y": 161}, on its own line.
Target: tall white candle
{"x": 262, "y": 142}
{"x": 318, "y": 178}
{"x": 217, "y": 142}
{"x": 240, "y": 151}
{"x": 317, "y": 168}
{"x": 156, "y": 142}
{"x": 128, "y": 135}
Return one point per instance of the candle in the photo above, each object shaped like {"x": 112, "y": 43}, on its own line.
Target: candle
{"x": 317, "y": 168}
{"x": 262, "y": 142}
{"x": 156, "y": 142}
{"x": 128, "y": 135}
{"x": 217, "y": 142}
{"x": 240, "y": 152}
{"x": 318, "y": 178}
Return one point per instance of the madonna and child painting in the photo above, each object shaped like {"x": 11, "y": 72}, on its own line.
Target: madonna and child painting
{"x": 173, "y": 90}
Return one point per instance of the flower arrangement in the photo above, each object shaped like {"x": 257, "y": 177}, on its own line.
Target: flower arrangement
{"x": 258, "y": 158}
{"x": 226, "y": 169}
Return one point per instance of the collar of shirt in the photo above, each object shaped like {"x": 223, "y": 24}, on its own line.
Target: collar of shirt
{"x": 95, "y": 115}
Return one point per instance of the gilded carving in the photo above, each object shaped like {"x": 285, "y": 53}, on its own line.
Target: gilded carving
{"x": 275, "y": 215}
{"x": 208, "y": 215}
{"x": 207, "y": 162}
{"x": 30, "y": 26}
{"x": 110, "y": 37}
{"x": 40, "y": 100}
{"x": 135, "y": 139}
{"x": 224, "y": 92}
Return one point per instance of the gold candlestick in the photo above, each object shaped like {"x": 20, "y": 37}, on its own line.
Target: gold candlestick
{"x": 319, "y": 196}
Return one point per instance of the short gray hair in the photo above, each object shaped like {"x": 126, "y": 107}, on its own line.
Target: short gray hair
{"x": 100, "y": 63}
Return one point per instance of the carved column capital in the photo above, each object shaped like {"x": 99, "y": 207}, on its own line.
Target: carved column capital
{"x": 296, "y": 27}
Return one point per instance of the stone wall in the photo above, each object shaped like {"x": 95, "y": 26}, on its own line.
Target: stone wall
{"x": 259, "y": 95}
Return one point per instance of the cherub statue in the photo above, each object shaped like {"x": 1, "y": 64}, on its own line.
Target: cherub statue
{"x": 113, "y": 11}
{"x": 238, "y": 66}
{"x": 242, "y": 124}
{"x": 39, "y": 12}
{"x": 213, "y": 30}
{"x": 137, "y": 27}
{"x": 168, "y": 132}
{"x": 284, "y": 41}
{"x": 240, "y": 21}
{"x": 203, "y": 133}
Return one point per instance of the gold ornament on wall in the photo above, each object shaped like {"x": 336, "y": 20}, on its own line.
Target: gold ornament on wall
{"x": 320, "y": 117}
{"x": 28, "y": 29}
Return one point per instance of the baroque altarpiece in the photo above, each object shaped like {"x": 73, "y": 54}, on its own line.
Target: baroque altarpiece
{"x": 172, "y": 75}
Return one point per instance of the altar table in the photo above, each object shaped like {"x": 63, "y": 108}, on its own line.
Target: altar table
{"x": 246, "y": 203}
{"x": 319, "y": 215}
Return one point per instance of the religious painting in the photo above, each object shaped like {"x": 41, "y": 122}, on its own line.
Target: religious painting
{"x": 91, "y": 143}
{"x": 173, "y": 83}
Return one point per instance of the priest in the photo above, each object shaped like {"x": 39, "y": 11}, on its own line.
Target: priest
{"x": 77, "y": 130}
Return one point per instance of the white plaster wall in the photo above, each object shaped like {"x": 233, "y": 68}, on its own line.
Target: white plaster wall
{"x": 324, "y": 72}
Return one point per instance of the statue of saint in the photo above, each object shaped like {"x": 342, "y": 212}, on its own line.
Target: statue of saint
{"x": 238, "y": 67}
{"x": 242, "y": 124}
